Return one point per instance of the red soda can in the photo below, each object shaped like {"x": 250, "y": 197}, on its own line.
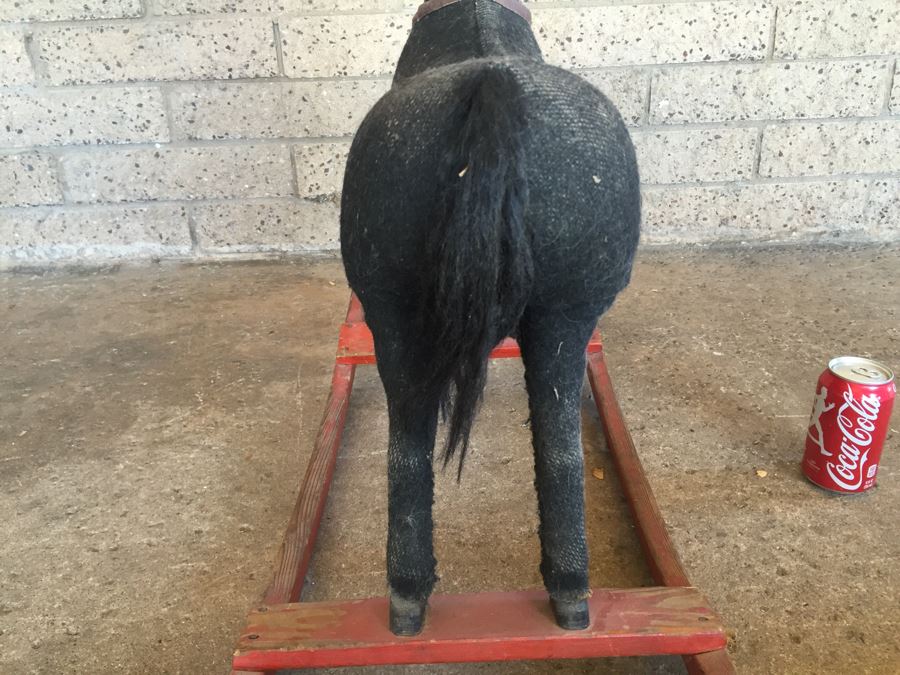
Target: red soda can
{"x": 848, "y": 425}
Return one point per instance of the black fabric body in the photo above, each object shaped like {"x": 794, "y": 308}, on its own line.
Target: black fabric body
{"x": 486, "y": 194}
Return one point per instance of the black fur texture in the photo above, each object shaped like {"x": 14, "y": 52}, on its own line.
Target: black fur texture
{"x": 486, "y": 194}
{"x": 480, "y": 250}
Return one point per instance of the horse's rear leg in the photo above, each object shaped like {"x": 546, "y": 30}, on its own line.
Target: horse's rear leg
{"x": 412, "y": 419}
{"x": 553, "y": 345}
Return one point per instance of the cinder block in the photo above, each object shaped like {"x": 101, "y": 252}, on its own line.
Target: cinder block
{"x": 39, "y": 234}
{"x": 340, "y": 45}
{"x": 159, "y": 50}
{"x": 82, "y": 116}
{"x": 320, "y": 168}
{"x": 15, "y": 68}
{"x": 831, "y": 148}
{"x": 726, "y": 92}
{"x": 764, "y": 212}
{"x": 625, "y": 87}
{"x": 27, "y": 179}
{"x": 895, "y": 93}
{"x": 695, "y": 155}
{"x": 831, "y": 28}
{"x": 277, "y": 6}
{"x": 884, "y": 208}
{"x": 214, "y": 7}
{"x": 272, "y": 109}
{"x": 301, "y": 6}
{"x": 331, "y": 108}
{"x": 229, "y": 110}
{"x": 586, "y": 37}
{"x": 69, "y": 10}
{"x": 136, "y": 174}
{"x": 270, "y": 225}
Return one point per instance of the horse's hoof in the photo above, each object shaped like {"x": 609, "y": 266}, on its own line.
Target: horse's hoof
{"x": 571, "y": 614}
{"x": 407, "y": 616}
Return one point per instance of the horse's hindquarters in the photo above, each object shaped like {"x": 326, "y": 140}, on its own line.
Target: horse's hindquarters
{"x": 583, "y": 206}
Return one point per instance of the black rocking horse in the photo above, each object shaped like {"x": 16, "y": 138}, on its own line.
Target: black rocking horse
{"x": 486, "y": 194}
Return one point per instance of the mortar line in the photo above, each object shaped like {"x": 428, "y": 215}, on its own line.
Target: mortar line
{"x": 295, "y": 180}
{"x": 387, "y": 77}
{"x": 38, "y": 67}
{"x": 770, "y": 52}
{"x": 249, "y": 141}
{"x": 154, "y": 17}
{"x": 152, "y": 10}
{"x": 165, "y": 91}
{"x": 339, "y": 140}
{"x": 645, "y": 121}
{"x": 892, "y": 74}
{"x": 279, "y": 55}
{"x": 192, "y": 232}
{"x": 778, "y": 180}
{"x": 182, "y": 144}
{"x": 61, "y": 178}
{"x": 776, "y": 122}
{"x": 868, "y": 178}
{"x": 758, "y": 158}
{"x": 210, "y": 83}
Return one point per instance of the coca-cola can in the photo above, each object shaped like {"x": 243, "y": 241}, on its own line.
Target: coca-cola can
{"x": 849, "y": 422}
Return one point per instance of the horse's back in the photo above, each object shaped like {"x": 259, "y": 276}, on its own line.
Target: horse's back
{"x": 583, "y": 206}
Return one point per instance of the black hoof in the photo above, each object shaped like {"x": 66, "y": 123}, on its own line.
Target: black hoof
{"x": 407, "y": 616}
{"x": 571, "y": 614}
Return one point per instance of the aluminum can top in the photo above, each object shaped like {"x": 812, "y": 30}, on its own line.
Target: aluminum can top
{"x": 860, "y": 371}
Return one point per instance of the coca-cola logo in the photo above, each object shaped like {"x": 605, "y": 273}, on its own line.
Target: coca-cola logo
{"x": 856, "y": 420}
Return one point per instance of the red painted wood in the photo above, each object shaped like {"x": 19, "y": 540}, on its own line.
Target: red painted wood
{"x": 478, "y": 627}
{"x": 355, "y": 345}
{"x": 296, "y": 548}
{"x": 665, "y": 565}
{"x": 355, "y": 310}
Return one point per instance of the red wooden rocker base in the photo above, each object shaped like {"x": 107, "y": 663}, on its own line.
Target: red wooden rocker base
{"x": 673, "y": 618}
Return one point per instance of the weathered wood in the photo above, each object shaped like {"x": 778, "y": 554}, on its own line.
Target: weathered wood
{"x": 478, "y": 627}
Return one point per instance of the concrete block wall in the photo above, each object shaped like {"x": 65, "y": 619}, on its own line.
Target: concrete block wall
{"x": 139, "y": 128}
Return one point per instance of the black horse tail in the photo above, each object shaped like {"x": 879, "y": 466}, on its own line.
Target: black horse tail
{"x": 479, "y": 267}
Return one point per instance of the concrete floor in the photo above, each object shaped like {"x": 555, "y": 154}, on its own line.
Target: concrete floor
{"x": 155, "y": 421}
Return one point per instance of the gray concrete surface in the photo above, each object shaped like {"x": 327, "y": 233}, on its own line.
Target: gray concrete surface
{"x": 155, "y": 421}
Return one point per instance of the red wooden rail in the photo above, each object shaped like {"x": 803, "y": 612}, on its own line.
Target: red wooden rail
{"x": 478, "y": 627}
{"x": 283, "y": 634}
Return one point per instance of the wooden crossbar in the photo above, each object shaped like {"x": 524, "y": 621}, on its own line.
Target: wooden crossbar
{"x": 356, "y": 347}
{"x": 479, "y": 627}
